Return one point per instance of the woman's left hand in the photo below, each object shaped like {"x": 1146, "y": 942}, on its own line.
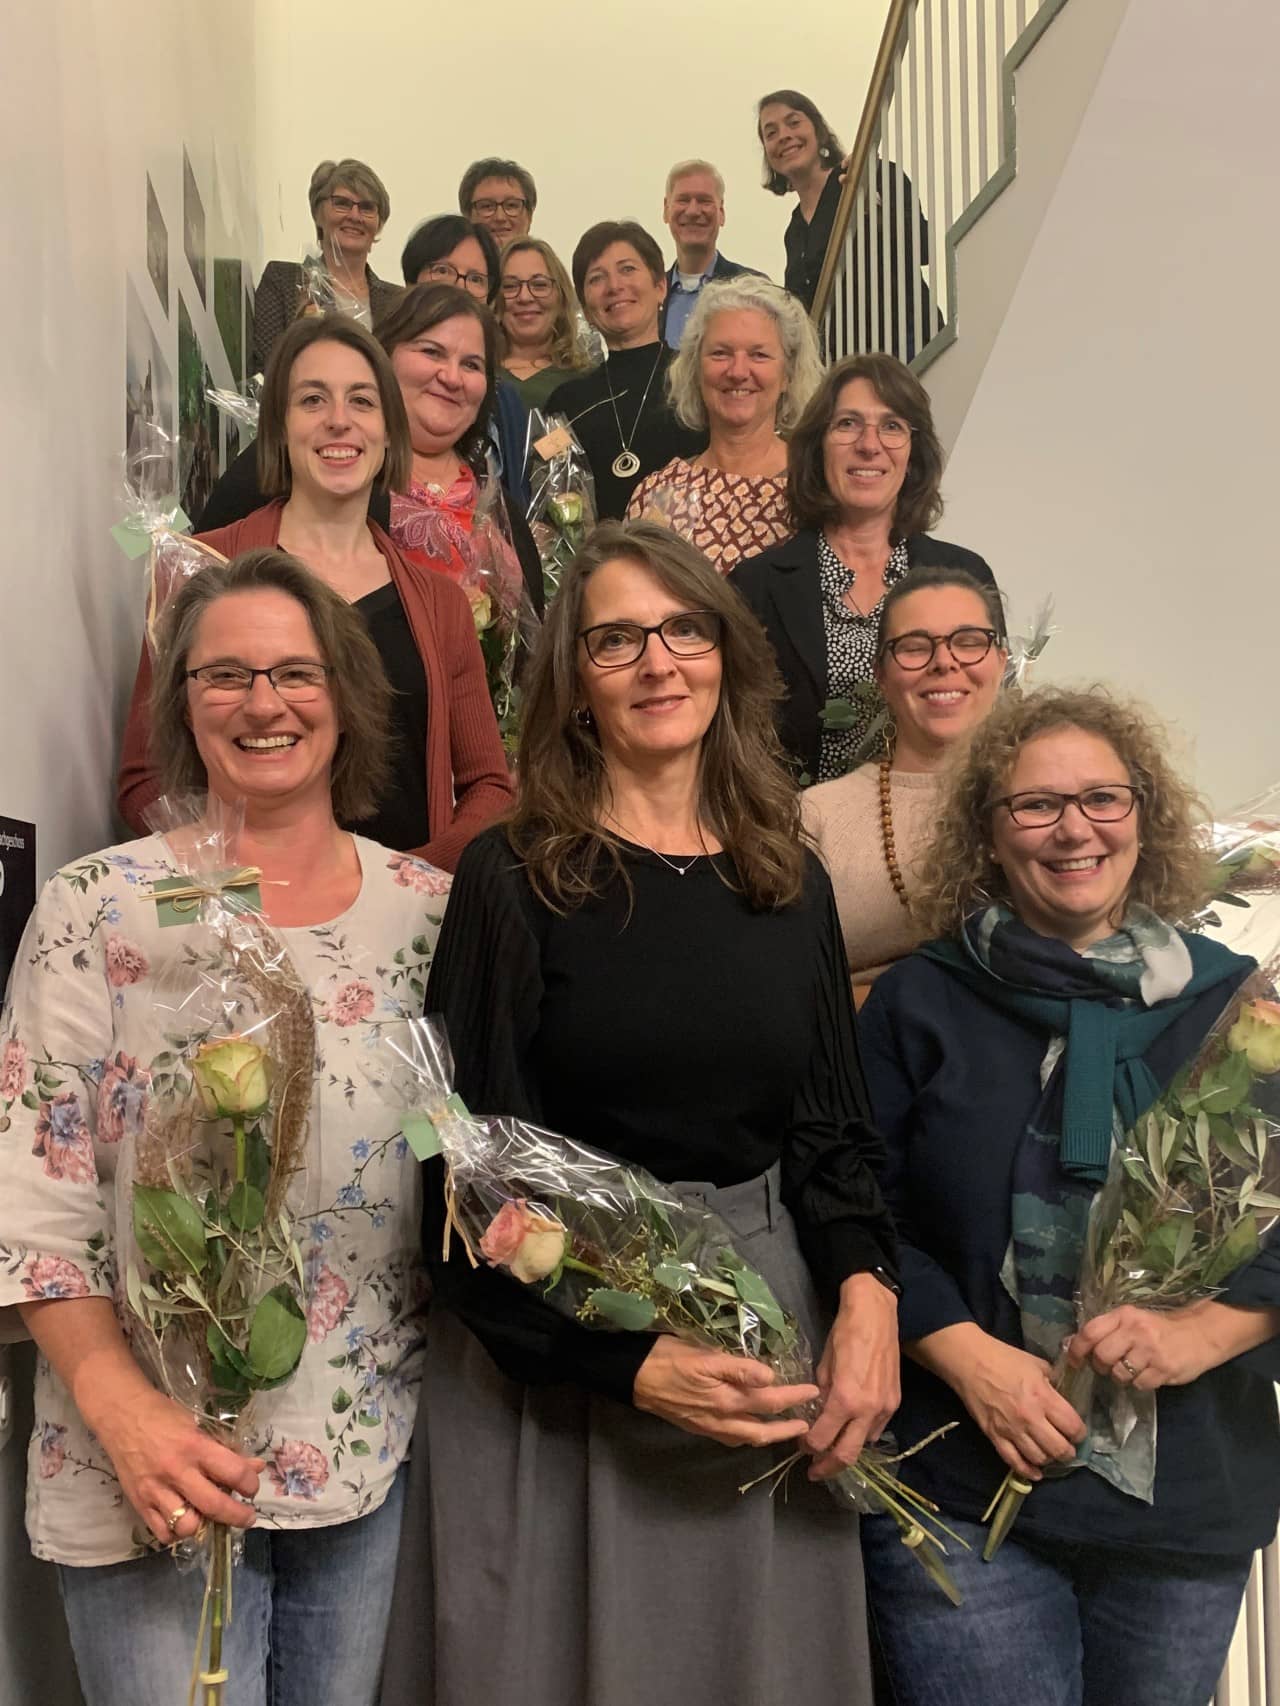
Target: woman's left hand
{"x": 858, "y": 1376}
{"x": 1149, "y": 1348}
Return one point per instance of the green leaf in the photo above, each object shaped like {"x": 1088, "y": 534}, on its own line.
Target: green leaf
{"x": 169, "y": 1230}
{"x": 257, "y": 1159}
{"x": 30, "y": 1100}
{"x": 360, "y": 1448}
{"x": 277, "y": 1335}
{"x": 340, "y": 1401}
{"x": 1226, "y": 1085}
{"x": 1202, "y": 1130}
{"x": 753, "y": 1291}
{"x": 337, "y": 1362}
{"x": 222, "y": 1350}
{"x": 245, "y": 1206}
{"x": 672, "y": 1277}
{"x": 1239, "y": 1246}
{"x": 366, "y": 1419}
{"x": 623, "y": 1308}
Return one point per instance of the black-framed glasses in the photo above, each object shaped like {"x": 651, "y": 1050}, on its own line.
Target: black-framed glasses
{"x": 487, "y": 206}
{"x": 917, "y": 651}
{"x": 444, "y": 272}
{"x": 612, "y": 645}
{"x": 892, "y": 432}
{"x": 344, "y": 204}
{"x": 301, "y": 679}
{"x": 1041, "y": 808}
{"x": 540, "y": 287}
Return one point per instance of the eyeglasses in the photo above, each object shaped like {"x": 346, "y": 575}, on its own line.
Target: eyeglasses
{"x": 486, "y": 207}
{"x": 540, "y": 287}
{"x": 612, "y": 645}
{"x": 476, "y": 282}
{"x": 292, "y": 681}
{"x": 892, "y": 432}
{"x": 916, "y": 651}
{"x": 344, "y": 204}
{"x": 1040, "y": 808}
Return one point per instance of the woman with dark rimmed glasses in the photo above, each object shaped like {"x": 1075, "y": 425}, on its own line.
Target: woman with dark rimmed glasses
{"x": 645, "y": 957}
{"x": 940, "y": 655}
{"x": 1055, "y": 1002}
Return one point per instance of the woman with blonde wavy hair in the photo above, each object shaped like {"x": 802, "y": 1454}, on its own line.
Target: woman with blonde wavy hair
{"x": 541, "y": 344}
{"x": 747, "y": 367}
{"x": 1058, "y": 999}
{"x": 645, "y": 957}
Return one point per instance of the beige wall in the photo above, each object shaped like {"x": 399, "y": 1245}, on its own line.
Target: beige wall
{"x": 597, "y": 101}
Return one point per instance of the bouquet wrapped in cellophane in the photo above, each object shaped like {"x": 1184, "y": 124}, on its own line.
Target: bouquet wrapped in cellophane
{"x": 241, "y": 408}
{"x": 1192, "y": 1191}
{"x": 213, "y": 1178}
{"x": 607, "y": 1244}
{"x": 677, "y": 505}
{"x": 153, "y": 524}
{"x": 562, "y": 501}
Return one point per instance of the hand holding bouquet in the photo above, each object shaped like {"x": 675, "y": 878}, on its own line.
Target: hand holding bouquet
{"x": 608, "y": 1245}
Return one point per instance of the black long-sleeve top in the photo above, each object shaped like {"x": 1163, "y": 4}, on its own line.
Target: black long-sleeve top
{"x": 952, "y": 1082}
{"x": 698, "y": 1038}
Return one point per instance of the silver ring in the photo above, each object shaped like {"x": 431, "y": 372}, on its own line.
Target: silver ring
{"x": 1128, "y": 1367}
{"x": 177, "y": 1517}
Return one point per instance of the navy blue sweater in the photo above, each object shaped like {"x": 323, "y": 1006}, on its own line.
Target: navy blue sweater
{"x": 952, "y": 1082}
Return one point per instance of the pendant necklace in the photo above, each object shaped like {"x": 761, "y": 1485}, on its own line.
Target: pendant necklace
{"x": 680, "y": 870}
{"x": 626, "y": 462}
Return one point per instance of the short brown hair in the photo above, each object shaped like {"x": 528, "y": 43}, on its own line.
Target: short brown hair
{"x": 594, "y": 241}
{"x": 958, "y": 867}
{"x": 356, "y": 176}
{"x": 275, "y": 478}
{"x": 830, "y": 148}
{"x": 919, "y": 506}
{"x": 419, "y": 308}
{"x": 745, "y": 792}
{"x": 491, "y": 167}
{"x": 358, "y": 686}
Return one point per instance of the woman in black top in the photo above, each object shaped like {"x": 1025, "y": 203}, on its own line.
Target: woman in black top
{"x": 1056, "y": 1001}
{"x": 863, "y": 479}
{"x": 801, "y": 153}
{"x": 620, "y": 411}
{"x": 645, "y": 958}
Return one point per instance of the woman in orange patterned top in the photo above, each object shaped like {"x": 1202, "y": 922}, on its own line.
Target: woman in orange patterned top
{"x": 748, "y": 365}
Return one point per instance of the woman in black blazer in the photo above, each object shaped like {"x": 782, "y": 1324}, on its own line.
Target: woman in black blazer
{"x": 863, "y": 482}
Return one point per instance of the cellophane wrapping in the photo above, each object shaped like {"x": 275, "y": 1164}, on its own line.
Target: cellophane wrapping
{"x": 152, "y": 522}
{"x": 608, "y": 1245}
{"x": 562, "y": 500}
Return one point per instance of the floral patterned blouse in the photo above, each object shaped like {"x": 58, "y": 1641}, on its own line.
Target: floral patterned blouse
{"x": 83, "y": 1037}
{"x": 727, "y": 516}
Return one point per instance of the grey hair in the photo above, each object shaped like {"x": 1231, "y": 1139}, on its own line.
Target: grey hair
{"x": 686, "y": 169}
{"x": 801, "y": 361}
{"x": 356, "y": 176}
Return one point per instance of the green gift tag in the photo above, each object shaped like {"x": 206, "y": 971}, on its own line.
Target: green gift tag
{"x": 135, "y": 540}
{"x": 422, "y": 1136}
{"x": 178, "y": 899}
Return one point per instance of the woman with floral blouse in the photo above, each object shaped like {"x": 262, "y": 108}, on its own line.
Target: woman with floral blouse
{"x": 292, "y": 723}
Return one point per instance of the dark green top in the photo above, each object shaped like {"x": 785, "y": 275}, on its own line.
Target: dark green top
{"x": 535, "y": 390}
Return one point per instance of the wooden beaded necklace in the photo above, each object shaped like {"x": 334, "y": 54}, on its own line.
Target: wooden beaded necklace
{"x": 886, "y": 833}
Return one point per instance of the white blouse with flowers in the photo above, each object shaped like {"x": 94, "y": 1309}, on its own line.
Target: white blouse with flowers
{"x": 82, "y": 1035}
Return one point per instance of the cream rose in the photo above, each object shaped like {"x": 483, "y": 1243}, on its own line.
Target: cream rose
{"x": 530, "y": 1245}
{"x": 1256, "y": 1035}
{"x": 232, "y": 1078}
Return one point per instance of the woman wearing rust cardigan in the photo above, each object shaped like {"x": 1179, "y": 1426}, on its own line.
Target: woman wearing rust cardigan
{"x": 333, "y": 429}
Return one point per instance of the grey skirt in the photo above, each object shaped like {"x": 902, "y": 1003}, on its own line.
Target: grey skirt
{"x": 561, "y": 1549}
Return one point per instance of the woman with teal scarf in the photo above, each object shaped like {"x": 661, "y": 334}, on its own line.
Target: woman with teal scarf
{"x": 1055, "y": 1004}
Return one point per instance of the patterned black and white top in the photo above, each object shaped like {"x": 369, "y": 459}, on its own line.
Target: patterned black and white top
{"x": 851, "y": 653}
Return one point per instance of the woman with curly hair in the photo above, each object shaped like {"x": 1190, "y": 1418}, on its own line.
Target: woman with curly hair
{"x": 1057, "y": 1000}
{"x": 644, "y": 957}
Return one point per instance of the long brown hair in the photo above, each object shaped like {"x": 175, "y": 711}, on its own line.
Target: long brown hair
{"x": 745, "y": 794}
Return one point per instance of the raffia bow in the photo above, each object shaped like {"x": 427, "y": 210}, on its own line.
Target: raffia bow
{"x": 190, "y": 895}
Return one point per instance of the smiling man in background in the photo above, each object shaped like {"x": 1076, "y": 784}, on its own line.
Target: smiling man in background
{"x": 693, "y": 212}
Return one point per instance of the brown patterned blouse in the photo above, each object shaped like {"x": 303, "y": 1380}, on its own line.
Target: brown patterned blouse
{"x": 727, "y": 516}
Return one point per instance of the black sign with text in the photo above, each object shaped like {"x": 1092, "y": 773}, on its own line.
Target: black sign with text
{"x": 17, "y": 887}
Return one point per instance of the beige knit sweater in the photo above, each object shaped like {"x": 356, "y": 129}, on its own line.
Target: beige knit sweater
{"x": 844, "y": 819}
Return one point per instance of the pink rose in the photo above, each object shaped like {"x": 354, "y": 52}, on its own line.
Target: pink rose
{"x": 298, "y": 1470}
{"x": 528, "y": 1244}
{"x": 330, "y": 1295}
{"x": 122, "y": 1099}
{"x": 413, "y": 874}
{"x": 13, "y": 1070}
{"x": 126, "y": 963}
{"x": 62, "y": 1137}
{"x": 53, "y": 1276}
{"x": 353, "y": 1002}
{"x": 53, "y": 1450}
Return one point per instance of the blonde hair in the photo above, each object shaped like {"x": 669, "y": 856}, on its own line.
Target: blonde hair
{"x": 687, "y": 169}
{"x": 802, "y": 364}
{"x": 566, "y": 345}
{"x": 958, "y": 867}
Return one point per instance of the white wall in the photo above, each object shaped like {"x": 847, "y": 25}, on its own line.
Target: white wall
{"x": 1120, "y": 450}
{"x": 598, "y": 102}
{"x": 96, "y": 94}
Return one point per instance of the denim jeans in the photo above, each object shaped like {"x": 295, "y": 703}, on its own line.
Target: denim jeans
{"x": 1051, "y": 1623}
{"x": 309, "y": 1618}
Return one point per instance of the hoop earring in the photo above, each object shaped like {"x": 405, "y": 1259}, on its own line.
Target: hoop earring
{"x": 582, "y": 716}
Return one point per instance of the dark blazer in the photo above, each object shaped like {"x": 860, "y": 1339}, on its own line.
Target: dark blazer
{"x": 783, "y": 588}
{"x": 723, "y": 269}
{"x": 276, "y": 301}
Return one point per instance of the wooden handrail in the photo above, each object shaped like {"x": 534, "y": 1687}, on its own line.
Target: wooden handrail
{"x": 891, "y": 42}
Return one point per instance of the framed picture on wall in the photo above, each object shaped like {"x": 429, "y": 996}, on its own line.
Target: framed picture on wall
{"x": 193, "y": 228}
{"x": 157, "y": 247}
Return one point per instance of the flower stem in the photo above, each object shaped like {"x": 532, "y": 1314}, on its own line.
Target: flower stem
{"x": 237, "y": 1126}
